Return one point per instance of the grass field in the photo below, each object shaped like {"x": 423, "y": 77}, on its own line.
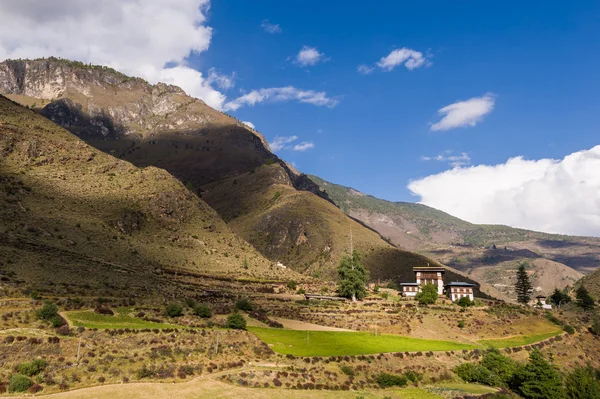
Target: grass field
{"x": 334, "y": 343}
{"x": 121, "y": 319}
{"x": 469, "y": 388}
{"x": 518, "y": 341}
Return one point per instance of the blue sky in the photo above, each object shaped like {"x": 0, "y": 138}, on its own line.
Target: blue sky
{"x": 517, "y": 141}
{"x": 539, "y": 59}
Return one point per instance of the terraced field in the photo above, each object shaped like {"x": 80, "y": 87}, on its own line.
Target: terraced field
{"x": 338, "y": 343}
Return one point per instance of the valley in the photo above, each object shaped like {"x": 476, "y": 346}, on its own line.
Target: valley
{"x": 153, "y": 246}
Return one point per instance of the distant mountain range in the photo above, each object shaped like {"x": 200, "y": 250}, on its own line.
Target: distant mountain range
{"x": 220, "y": 164}
{"x": 487, "y": 253}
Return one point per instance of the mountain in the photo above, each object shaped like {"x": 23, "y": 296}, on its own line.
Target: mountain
{"x": 77, "y": 221}
{"x": 487, "y": 253}
{"x": 278, "y": 210}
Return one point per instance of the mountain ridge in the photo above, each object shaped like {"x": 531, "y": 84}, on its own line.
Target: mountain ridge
{"x": 225, "y": 162}
{"x": 488, "y": 253}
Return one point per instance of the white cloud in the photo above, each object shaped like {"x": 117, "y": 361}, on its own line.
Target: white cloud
{"x": 465, "y": 113}
{"x": 284, "y": 143}
{"x": 281, "y": 94}
{"x": 557, "y": 196}
{"x": 454, "y": 160}
{"x": 305, "y": 145}
{"x": 269, "y": 27}
{"x": 411, "y": 59}
{"x": 308, "y": 56}
{"x": 249, "y": 124}
{"x": 135, "y": 37}
{"x": 223, "y": 82}
{"x": 365, "y": 69}
{"x": 281, "y": 142}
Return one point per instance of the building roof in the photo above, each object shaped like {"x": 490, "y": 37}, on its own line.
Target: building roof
{"x": 460, "y": 284}
{"x": 409, "y": 284}
{"x": 428, "y": 269}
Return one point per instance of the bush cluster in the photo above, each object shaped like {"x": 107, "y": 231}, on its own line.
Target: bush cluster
{"x": 386, "y": 380}
{"x": 236, "y": 321}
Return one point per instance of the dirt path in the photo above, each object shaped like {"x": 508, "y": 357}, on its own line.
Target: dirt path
{"x": 201, "y": 387}
{"x": 301, "y": 325}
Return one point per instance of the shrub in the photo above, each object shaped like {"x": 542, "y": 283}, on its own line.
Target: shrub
{"x": 413, "y": 376}
{"x": 471, "y": 372}
{"x": 347, "y": 370}
{"x": 386, "y": 380}
{"x": 35, "y": 388}
{"x": 461, "y": 324}
{"x": 203, "y": 311}
{"x": 32, "y": 368}
{"x": 63, "y": 330}
{"x": 292, "y": 285}
{"x": 57, "y": 321}
{"x": 174, "y": 310}
{"x": 428, "y": 294}
{"x": 19, "y": 383}
{"x": 48, "y": 311}
{"x": 301, "y": 291}
{"x": 465, "y": 301}
{"x": 236, "y": 321}
{"x": 244, "y": 304}
{"x": 104, "y": 310}
{"x": 569, "y": 329}
{"x": 190, "y": 302}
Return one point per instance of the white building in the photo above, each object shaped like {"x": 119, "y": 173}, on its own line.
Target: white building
{"x": 457, "y": 290}
{"x": 409, "y": 289}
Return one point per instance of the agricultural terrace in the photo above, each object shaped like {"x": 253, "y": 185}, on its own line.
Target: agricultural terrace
{"x": 337, "y": 343}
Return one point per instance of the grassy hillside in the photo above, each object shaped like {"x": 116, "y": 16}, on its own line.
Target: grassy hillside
{"x": 592, "y": 283}
{"x": 74, "y": 219}
{"x": 301, "y": 230}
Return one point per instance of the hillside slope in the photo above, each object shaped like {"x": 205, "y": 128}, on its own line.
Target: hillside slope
{"x": 488, "y": 253}
{"x": 306, "y": 232}
{"x": 76, "y": 220}
{"x": 211, "y": 153}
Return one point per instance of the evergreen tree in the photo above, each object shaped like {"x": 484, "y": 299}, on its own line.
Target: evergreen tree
{"x": 584, "y": 299}
{"x": 523, "y": 285}
{"x": 582, "y": 383}
{"x": 353, "y": 277}
{"x": 559, "y": 297}
{"x": 540, "y": 380}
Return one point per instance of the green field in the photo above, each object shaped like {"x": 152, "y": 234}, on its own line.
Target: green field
{"x": 121, "y": 319}
{"x": 518, "y": 341}
{"x": 338, "y": 343}
{"x": 469, "y": 388}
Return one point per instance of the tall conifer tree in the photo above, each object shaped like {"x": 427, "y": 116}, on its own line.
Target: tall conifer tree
{"x": 523, "y": 285}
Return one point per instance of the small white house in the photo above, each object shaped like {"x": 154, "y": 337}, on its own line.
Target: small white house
{"x": 410, "y": 289}
{"x": 457, "y": 290}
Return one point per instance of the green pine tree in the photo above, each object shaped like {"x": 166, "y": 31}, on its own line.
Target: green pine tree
{"x": 540, "y": 380}
{"x": 523, "y": 285}
{"x": 559, "y": 297}
{"x": 584, "y": 299}
{"x": 582, "y": 383}
{"x": 353, "y": 277}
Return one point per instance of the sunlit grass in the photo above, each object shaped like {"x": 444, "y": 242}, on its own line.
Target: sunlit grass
{"x": 339, "y": 343}
{"x": 518, "y": 341}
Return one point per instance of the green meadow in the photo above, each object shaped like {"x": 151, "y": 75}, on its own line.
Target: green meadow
{"x": 338, "y": 343}
{"x": 121, "y": 319}
{"x": 518, "y": 341}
